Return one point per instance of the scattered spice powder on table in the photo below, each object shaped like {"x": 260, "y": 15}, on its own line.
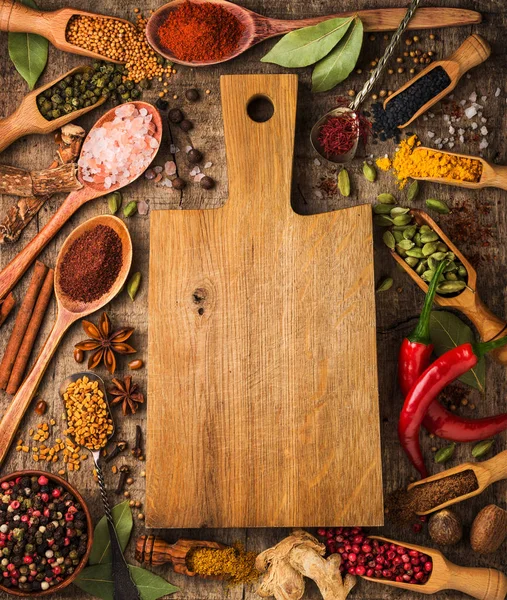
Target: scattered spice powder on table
{"x": 410, "y": 161}
{"x": 233, "y": 563}
{"x": 92, "y": 264}
{"x": 200, "y": 32}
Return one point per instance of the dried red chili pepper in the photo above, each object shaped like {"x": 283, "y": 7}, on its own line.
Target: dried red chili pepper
{"x": 447, "y": 368}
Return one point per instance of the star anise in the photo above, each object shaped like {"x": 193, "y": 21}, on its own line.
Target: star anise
{"x": 105, "y": 343}
{"x": 126, "y": 393}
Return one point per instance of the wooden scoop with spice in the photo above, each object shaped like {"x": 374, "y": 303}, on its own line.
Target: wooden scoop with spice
{"x": 480, "y": 583}
{"x": 457, "y": 484}
{"x": 467, "y": 301}
{"x": 96, "y": 184}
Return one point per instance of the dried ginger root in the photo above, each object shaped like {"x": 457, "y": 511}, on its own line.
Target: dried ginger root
{"x": 295, "y": 557}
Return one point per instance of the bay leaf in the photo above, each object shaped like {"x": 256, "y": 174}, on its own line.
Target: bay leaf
{"x": 338, "y": 64}
{"x": 448, "y": 331}
{"x": 98, "y": 581}
{"x": 308, "y": 45}
{"x": 28, "y": 52}
{"x": 101, "y": 547}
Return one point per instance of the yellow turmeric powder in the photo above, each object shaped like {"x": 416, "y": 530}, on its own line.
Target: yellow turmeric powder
{"x": 411, "y": 161}
{"x": 233, "y": 564}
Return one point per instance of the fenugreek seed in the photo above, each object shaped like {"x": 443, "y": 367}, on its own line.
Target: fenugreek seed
{"x": 386, "y": 198}
{"x": 369, "y": 172}
{"x": 140, "y": 516}
{"x": 130, "y": 481}
{"x": 126, "y": 494}
{"x": 143, "y": 473}
{"x": 344, "y": 182}
{"x": 385, "y": 284}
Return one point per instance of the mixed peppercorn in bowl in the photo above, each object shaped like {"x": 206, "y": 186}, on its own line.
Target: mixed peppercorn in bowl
{"x": 45, "y": 533}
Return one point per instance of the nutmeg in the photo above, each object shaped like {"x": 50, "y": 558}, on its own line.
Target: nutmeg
{"x": 489, "y": 529}
{"x": 445, "y": 527}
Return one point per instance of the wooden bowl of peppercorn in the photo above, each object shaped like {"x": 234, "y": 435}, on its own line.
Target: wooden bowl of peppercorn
{"x": 54, "y": 481}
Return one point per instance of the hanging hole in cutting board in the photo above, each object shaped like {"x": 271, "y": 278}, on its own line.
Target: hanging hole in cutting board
{"x": 260, "y": 108}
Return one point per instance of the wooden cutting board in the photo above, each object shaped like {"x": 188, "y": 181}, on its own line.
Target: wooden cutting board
{"x": 262, "y": 395}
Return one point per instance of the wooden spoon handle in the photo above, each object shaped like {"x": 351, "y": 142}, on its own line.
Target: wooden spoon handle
{"x": 12, "y": 128}
{"x": 499, "y": 179}
{"x": 21, "y": 401}
{"x": 17, "y": 17}
{"x": 483, "y": 584}
{"x": 497, "y": 467}
{"x": 472, "y": 52}
{"x": 488, "y": 325}
{"x": 13, "y": 272}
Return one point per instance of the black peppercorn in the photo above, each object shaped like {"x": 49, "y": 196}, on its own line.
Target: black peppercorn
{"x": 194, "y": 156}
{"x": 192, "y": 95}
{"x": 186, "y": 125}
{"x": 179, "y": 183}
{"x": 207, "y": 183}
{"x": 161, "y": 104}
{"x": 175, "y": 115}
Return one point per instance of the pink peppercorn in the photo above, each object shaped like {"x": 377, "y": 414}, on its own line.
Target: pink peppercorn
{"x": 27, "y": 560}
{"x": 56, "y": 493}
{"x": 45, "y": 497}
{"x": 5, "y": 485}
{"x": 43, "y": 480}
{"x": 14, "y": 505}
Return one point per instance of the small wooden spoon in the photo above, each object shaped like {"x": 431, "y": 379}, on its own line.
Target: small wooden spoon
{"x": 259, "y": 28}
{"x": 28, "y": 118}
{"x": 69, "y": 311}
{"x": 480, "y": 583}
{"x": 13, "y": 272}
{"x": 491, "y": 176}
{"x": 17, "y": 17}
{"x": 468, "y": 301}
{"x": 486, "y": 472}
{"x": 472, "y": 52}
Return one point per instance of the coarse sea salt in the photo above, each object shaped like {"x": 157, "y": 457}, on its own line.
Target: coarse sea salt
{"x": 119, "y": 150}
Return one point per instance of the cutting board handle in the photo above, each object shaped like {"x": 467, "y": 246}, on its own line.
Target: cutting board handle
{"x": 259, "y": 154}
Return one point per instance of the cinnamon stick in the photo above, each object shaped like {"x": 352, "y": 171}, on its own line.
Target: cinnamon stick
{"x": 18, "y": 182}
{"x": 6, "y": 305}
{"x": 19, "y": 368}
{"x": 20, "y": 326}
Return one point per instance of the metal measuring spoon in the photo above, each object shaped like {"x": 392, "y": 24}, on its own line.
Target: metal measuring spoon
{"x": 123, "y": 586}
{"x": 354, "y": 105}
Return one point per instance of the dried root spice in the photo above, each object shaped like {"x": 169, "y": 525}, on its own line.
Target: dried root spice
{"x": 233, "y": 563}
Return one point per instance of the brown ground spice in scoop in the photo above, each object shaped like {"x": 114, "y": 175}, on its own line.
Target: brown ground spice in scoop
{"x": 233, "y": 564}
{"x": 92, "y": 264}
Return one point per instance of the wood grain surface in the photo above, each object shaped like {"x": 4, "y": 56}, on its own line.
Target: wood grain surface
{"x": 262, "y": 345}
{"x": 396, "y": 309}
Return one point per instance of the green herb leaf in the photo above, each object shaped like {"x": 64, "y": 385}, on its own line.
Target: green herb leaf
{"x": 448, "y": 331}
{"x": 308, "y": 45}
{"x": 28, "y": 52}
{"x": 101, "y": 547}
{"x": 97, "y": 581}
{"x": 338, "y": 64}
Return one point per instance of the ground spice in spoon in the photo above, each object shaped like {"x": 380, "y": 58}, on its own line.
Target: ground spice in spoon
{"x": 233, "y": 564}
{"x": 91, "y": 265}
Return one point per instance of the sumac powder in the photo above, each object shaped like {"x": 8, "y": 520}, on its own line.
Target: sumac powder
{"x": 91, "y": 265}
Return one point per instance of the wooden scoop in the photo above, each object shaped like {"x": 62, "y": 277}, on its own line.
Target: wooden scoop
{"x": 17, "y": 17}
{"x": 491, "y": 176}
{"x": 468, "y": 301}
{"x": 259, "y": 28}
{"x": 480, "y": 583}
{"x": 486, "y": 472}
{"x": 69, "y": 311}
{"x": 472, "y": 52}
{"x": 28, "y": 118}
{"x": 13, "y": 272}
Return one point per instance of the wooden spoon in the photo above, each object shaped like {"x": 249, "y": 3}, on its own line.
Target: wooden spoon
{"x": 491, "y": 176}
{"x": 13, "y": 272}
{"x": 28, "y": 118}
{"x": 69, "y": 311}
{"x": 486, "y": 472}
{"x": 472, "y": 52}
{"x": 259, "y": 28}
{"x": 468, "y": 301}
{"x": 480, "y": 583}
{"x": 17, "y": 17}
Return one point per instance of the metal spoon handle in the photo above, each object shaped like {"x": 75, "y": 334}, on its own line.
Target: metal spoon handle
{"x": 387, "y": 55}
{"x": 123, "y": 586}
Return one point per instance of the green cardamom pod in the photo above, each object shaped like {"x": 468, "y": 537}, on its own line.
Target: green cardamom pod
{"x": 462, "y": 272}
{"x": 438, "y": 256}
{"x": 114, "y": 202}
{"x": 389, "y": 240}
{"x": 445, "y": 454}
{"x": 417, "y": 240}
{"x": 344, "y": 182}
{"x": 415, "y": 252}
{"x": 451, "y": 277}
{"x": 450, "y": 287}
{"x": 438, "y": 206}
{"x": 401, "y": 251}
{"x": 421, "y": 267}
{"x": 382, "y": 220}
{"x": 425, "y": 229}
{"x": 409, "y": 233}
{"x": 429, "y": 248}
{"x": 385, "y": 284}
{"x": 398, "y": 235}
{"x": 381, "y": 209}
{"x": 412, "y": 261}
{"x": 441, "y": 247}
{"x": 428, "y": 275}
{"x": 369, "y": 172}
{"x": 130, "y": 209}
{"x": 386, "y": 198}
{"x": 133, "y": 285}
{"x": 429, "y": 237}
{"x": 402, "y": 219}
{"x": 413, "y": 190}
{"x": 482, "y": 448}
{"x": 399, "y": 210}
{"x": 406, "y": 244}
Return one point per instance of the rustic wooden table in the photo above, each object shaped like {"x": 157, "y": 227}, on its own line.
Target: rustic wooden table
{"x": 396, "y": 309}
